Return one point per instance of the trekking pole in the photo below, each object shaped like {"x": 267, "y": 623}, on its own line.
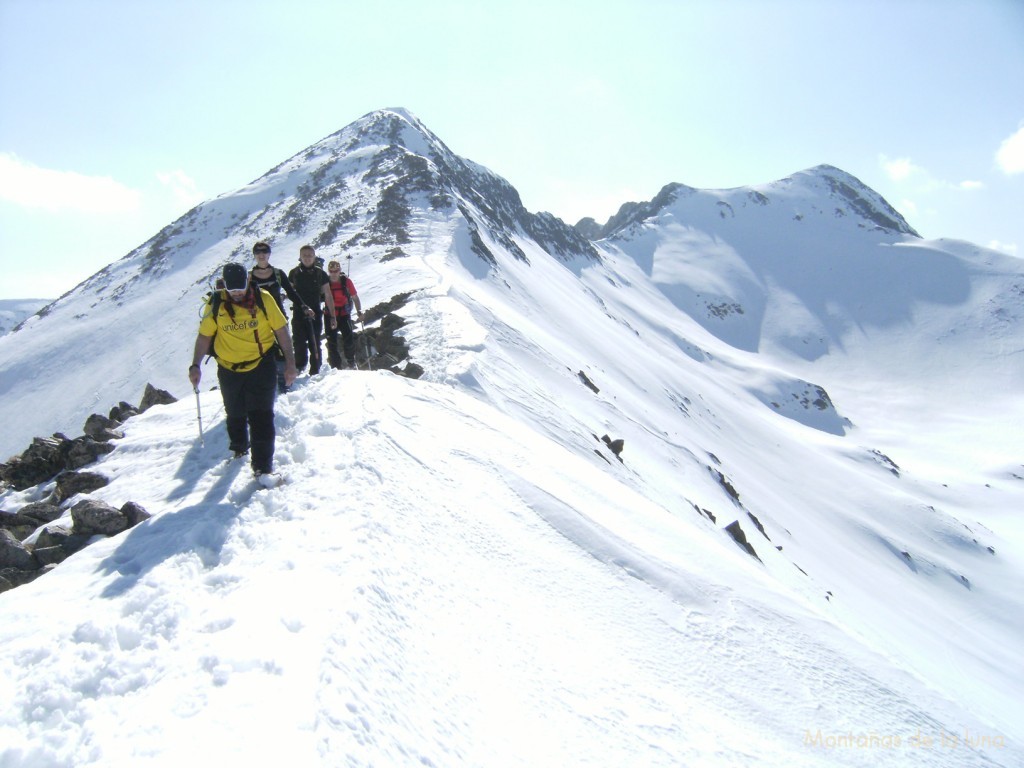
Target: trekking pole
{"x": 199, "y": 417}
{"x": 315, "y": 342}
{"x": 366, "y": 342}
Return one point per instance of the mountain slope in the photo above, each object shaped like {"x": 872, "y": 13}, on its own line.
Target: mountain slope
{"x": 437, "y": 584}
{"x": 360, "y": 192}
{"x": 831, "y": 387}
{"x": 14, "y": 311}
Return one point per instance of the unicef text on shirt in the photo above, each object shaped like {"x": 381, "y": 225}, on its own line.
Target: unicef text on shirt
{"x": 242, "y": 326}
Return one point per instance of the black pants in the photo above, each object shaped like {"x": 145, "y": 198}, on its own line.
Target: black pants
{"x": 249, "y": 406}
{"x": 306, "y": 341}
{"x": 348, "y": 340}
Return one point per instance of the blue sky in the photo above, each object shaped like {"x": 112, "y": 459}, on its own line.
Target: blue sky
{"x": 117, "y": 116}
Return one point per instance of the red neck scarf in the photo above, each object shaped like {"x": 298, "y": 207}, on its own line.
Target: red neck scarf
{"x": 247, "y": 302}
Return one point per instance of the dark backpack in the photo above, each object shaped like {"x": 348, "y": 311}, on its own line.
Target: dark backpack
{"x": 348, "y": 296}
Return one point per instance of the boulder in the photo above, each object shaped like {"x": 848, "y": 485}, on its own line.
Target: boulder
{"x": 389, "y": 346}
{"x": 70, "y": 483}
{"x": 84, "y": 450}
{"x": 14, "y": 554}
{"x": 123, "y": 411}
{"x": 102, "y": 429}
{"x": 92, "y": 517}
{"x": 378, "y": 311}
{"x": 43, "y": 459}
{"x": 41, "y": 512}
{"x": 14, "y": 577}
{"x": 50, "y": 555}
{"x": 26, "y": 520}
{"x": 20, "y": 527}
{"x": 412, "y": 371}
{"x": 153, "y": 396}
{"x": 59, "y": 536}
{"x": 134, "y": 513}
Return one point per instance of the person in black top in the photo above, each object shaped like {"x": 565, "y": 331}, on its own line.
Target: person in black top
{"x": 273, "y": 280}
{"x": 311, "y": 284}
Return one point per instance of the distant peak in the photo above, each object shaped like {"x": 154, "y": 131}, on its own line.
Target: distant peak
{"x": 846, "y": 194}
{"x": 863, "y": 199}
{"x": 393, "y": 117}
{"x": 401, "y": 112}
{"x": 397, "y": 126}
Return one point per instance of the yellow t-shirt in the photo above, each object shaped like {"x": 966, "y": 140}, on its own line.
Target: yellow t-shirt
{"x": 242, "y": 341}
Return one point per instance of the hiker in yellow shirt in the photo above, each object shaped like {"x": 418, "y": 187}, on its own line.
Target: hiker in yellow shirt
{"x": 240, "y": 329}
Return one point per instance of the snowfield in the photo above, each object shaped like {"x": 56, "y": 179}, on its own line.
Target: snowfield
{"x": 435, "y": 584}
{"x": 459, "y": 571}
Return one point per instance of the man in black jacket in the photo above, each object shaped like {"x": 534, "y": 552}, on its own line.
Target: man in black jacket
{"x": 273, "y": 281}
{"x": 311, "y": 284}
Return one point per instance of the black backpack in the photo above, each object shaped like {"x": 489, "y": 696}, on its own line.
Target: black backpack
{"x": 348, "y": 296}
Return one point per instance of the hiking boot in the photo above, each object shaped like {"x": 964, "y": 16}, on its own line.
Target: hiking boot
{"x": 267, "y": 479}
{"x": 237, "y": 451}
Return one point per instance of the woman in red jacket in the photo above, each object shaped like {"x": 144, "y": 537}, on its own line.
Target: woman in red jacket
{"x": 345, "y": 297}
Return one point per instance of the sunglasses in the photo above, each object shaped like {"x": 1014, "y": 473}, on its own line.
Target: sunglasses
{"x": 261, "y": 251}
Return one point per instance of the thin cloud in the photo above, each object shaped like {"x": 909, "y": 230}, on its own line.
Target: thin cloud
{"x": 1010, "y": 157}
{"x": 900, "y": 169}
{"x": 904, "y": 170}
{"x": 182, "y": 187}
{"x": 30, "y": 186}
{"x": 909, "y": 207}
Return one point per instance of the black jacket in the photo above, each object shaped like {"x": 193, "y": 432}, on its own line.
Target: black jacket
{"x": 309, "y": 285}
{"x": 273, "y": 286}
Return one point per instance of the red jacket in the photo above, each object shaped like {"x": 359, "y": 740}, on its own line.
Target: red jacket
{"x": 342, "y": 303}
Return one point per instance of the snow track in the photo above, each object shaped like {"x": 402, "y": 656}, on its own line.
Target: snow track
{"x": 431, "y": 588}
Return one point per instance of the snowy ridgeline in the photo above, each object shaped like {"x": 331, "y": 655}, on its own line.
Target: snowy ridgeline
{"x": 809, "y": 553}
{"x": 15, "y": 311}
{"x": 435, "y": 585}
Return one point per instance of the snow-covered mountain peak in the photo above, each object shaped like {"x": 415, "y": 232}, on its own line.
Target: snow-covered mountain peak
{"x": 750, "y": 452}
{"x": 850, "y": 195}
{"x": 823, "y": 192}
{"x": 399, "y": 126}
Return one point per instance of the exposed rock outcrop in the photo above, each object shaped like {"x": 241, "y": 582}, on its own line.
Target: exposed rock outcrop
{"x": 35, "y": 538}
{"x": 48, "y": 456}
{"x": 25, "y": 557}
{"x": 382, "y": 347}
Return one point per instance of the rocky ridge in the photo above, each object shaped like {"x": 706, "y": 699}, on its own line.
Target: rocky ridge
{"x": 35, "y": 538}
